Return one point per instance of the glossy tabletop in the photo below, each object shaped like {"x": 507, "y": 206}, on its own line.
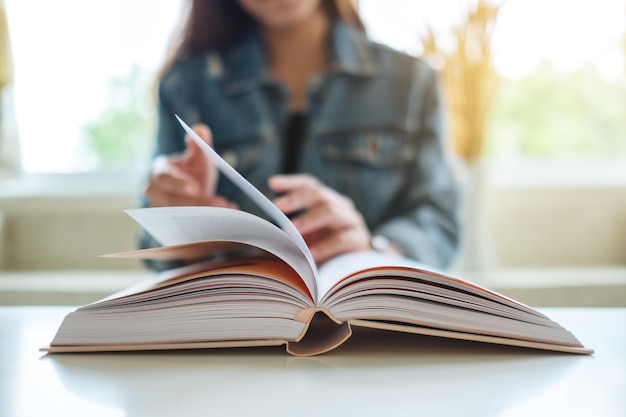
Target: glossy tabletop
{"x": 374, "y": 374}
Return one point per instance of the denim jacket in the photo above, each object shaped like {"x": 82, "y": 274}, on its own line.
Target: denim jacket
{"x": 375, "y": 134}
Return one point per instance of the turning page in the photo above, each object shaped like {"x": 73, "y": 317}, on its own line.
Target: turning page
{"x": 255, "y": 195}
{"x": 172, "y": 226}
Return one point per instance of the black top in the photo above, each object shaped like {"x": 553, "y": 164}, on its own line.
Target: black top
{"x": 292, "y": 139}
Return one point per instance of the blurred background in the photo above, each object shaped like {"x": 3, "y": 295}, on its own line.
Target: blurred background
{"x": 536, "y": 111}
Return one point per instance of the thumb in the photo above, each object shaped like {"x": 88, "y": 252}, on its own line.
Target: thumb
{"x": 194, "y": 153}
{"x": 204, "y": 132}
{"x": 197, "y": 162}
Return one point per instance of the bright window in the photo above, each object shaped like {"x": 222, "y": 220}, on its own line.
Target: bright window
{"x": 561, "y": 65}
{"x": 83, "y": 80}
{"x": 84, "y": 73}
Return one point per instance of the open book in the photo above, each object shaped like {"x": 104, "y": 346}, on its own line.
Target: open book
{"x": 261, "y": 287}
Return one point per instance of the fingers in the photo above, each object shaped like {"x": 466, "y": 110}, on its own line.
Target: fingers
{"x": 323, "y": 206}
{"x": 176, "y": 189}
{"x": 299, "y": 192}
{"x": 167, "y": 189}
{"x": 197, "y": 164}
{"x": 193, "y": 152}
{"x": 329, "y": 222}
{"x": 328, "y": 214}
{"x": 330, "y": 230}
{"x": 341, "y": 241}
{"x": 188, "y": 179}
{"x": 169, "y": 176}
{"x": 204, "y": 132}
{"x": 170, "y": 200}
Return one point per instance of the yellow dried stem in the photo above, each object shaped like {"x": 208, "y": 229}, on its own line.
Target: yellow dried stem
{"x": 468, "y": 78}
{"x": 6, "y": 70}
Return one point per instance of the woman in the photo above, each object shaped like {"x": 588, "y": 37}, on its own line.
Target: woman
{"x": 345, "y": 133}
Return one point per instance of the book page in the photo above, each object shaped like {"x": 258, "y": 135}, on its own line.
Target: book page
{"x": 375, "y": 287}
{"x": 182, "y": 225}
{"x": 371, "y": 264}
{"x": 255, "y": 195}
{"x": 263, "y": 271}
{"x": 338, "y": 268}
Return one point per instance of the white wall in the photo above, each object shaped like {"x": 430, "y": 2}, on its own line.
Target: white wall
{"x": 552, "y": 226}
{"x": 66, "y": 232}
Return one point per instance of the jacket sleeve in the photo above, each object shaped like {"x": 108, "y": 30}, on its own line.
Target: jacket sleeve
{"x": 424, "y": 224}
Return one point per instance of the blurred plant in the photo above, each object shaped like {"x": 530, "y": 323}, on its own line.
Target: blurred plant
{"x": 560, "y": 115}
{"x": 119, "y": 138}
{"x": 468, "y": 78}
{"x": 6, "y": 64}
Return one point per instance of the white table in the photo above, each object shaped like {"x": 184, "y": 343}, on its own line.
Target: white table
{"x": 374, "y": 374}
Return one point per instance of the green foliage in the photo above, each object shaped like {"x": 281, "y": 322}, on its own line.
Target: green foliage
{"x": 120, "y": 136}
{"x": 560, "y": 115}
{"x": 116, "y": 136}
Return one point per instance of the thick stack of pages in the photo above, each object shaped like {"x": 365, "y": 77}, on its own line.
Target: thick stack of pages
{"x": 259, "y": 286}
{"x": 260, "y": 290}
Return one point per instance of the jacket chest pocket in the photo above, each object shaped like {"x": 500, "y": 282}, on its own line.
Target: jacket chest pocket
{"x": 373, "y": 150}
{"x": 371, "y": 168}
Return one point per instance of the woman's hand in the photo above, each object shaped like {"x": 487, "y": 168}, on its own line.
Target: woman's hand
{"x": 187, "y": 179}
{"x": 328, "y": 221}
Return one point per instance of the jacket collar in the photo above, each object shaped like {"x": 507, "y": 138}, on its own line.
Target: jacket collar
{"x": 351, "y": 53}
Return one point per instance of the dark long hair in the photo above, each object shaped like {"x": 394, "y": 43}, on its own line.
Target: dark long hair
{"x": 217, "y": 24}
